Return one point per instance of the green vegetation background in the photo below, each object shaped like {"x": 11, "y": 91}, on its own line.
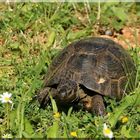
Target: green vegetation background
{"x": 31, "y": 34}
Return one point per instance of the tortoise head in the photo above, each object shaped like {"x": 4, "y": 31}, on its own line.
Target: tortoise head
{"x": 67, "y": 92}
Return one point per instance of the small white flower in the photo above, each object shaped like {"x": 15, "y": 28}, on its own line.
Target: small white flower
{"x": 6, "y": 97}
{"x": 7, "y": 136}
{"x": 107, "y": 131}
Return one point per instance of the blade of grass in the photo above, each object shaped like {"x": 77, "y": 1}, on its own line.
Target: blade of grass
{"x": 38, "y": 69}
{"x": 129, "y": 100}
{"x": 54, "y": 129}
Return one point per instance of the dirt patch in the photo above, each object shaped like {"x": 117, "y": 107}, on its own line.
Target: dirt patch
{"x": 130, "y": 37}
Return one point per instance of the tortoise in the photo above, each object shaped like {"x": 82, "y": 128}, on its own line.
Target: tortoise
{"x": 86, "y": 71}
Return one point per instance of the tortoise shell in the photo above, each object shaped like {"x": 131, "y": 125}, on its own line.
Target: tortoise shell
{"x": 96, "y": 64}
{"x": 99, "y": 64}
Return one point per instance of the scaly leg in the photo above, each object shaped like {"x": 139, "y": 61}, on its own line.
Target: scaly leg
{"x": 93, "y": 104}
{"x": 98, "y": 106}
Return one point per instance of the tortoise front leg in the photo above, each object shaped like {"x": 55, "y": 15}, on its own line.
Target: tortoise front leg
{"x": 93, "y": 104}
{"x": 98, "y": 106}
{"x": 44, "y": 97}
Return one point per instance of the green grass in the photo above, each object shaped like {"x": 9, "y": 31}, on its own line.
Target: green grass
{"x": 30, "y": 36}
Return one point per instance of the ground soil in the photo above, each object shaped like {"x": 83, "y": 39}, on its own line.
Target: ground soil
{"x": 130, "y": 37}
